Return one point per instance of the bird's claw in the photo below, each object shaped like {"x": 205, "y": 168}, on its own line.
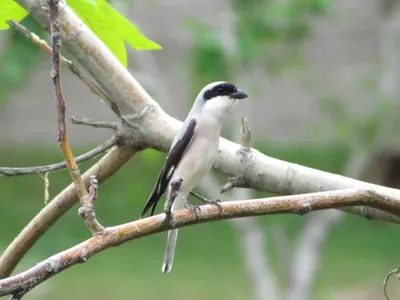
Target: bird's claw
{"x": 216, "y": 202}
{"x": 193, "y": 208}
{"x": 168, "y": 216}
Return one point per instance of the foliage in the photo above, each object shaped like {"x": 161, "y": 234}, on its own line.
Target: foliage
{"x": 11, "y": 10}
{"x": 365, "y": 130}
{"x": 108, "y": 24}
{"x": 267, "y": 33}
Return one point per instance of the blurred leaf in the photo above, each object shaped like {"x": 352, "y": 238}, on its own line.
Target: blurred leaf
{"x": 208, "y": 60}
{"x": 320, "y": 6}
{"x": 10, "y": 10}
{"x": 333, "y": 107}
{"x": 18, "y": 58}
{"x": 111, "y": 27}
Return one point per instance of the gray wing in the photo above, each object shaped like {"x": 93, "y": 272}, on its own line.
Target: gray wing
{"x": 180, "y": 144}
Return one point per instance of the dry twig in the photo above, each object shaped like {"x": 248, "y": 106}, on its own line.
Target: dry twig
{"x": 108, "y": 165}
{"x": 62, "y": 136}
{"x": 87, "y": 199}
{"x": 114, "y": 236}
{"x": 95, "y": 124}
{"x": 61, "y": 165}
{"x": 385, "y": 282}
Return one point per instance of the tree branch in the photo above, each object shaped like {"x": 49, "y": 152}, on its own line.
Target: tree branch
{"x": 114, "y": 236}
{"x": 95, "y": 124}
{"x": 108, "y": 165}
{"x": 86, "y": 198}
{"x": 61, "y": 165}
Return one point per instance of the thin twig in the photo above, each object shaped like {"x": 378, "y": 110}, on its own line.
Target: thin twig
{"x": 62, "y": 137}
{"x": 96, "y": 124}
{"x": 114, "y": 236}
{"x": 105, "y": 168}
{"x": 385, "y": 282}
{"x": 42, "y": 44}
{"x": 5, "y": 171}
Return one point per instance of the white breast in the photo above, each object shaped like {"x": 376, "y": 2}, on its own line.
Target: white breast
{"x": 198, "y": 159}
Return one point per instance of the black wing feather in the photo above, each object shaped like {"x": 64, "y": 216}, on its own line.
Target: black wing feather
{"x": 167, "y": 171}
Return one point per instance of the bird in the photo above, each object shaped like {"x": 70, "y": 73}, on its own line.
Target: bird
{"x": 193, "y": 153}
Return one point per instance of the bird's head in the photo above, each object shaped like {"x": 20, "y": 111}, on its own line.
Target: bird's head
{"x": 218, "y": 98}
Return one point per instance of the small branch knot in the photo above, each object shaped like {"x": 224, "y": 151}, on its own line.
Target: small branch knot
{"x": 87, "y": 210}
{"x": 51, "y": 266}
{"x": 305, "y": 209}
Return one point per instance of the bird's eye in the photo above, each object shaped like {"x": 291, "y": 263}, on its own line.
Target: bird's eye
{"x": 220, "y": 90}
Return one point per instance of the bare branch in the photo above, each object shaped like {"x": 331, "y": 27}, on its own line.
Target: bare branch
{"x": 114, "y": 236}
{"x": 108, "y": 165}
{"x": 87, "y": 199}
{"x": 96, "y": 124}
{"x": 5, "y": 171}
{"x": 385, "y": 282}
{"x": 74, "y": 69}
{"x": 62, "y": 136}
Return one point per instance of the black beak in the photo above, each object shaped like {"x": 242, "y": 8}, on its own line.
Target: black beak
{"x": 239, "y": 94}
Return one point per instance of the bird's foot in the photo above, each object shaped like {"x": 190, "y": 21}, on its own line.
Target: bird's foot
{"x": 168, "y": 216}
{"x": 216, "y": 202}
{"x": 190, "y": 206}
{"x": 205, "y": 200}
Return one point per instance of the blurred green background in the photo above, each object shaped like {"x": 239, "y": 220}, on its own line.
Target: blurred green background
{"x": 356, "y": 137}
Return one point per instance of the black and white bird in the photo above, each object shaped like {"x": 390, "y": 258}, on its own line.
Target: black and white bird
{"x": 194, "y": 151}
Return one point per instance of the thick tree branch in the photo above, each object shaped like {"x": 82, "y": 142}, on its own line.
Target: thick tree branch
{"x": 108, "y": 165}
{"x": 61, "y": 165}
{"x": 117, "y": 235}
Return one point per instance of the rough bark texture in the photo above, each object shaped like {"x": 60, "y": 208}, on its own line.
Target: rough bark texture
{"x": 114, "y": 236}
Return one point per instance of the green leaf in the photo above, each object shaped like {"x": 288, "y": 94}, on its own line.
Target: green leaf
{"x": 111, "y": 27}
{"x": 113, "y": 42}
{"x": 10, "y": 10}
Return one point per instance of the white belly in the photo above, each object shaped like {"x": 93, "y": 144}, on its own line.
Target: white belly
{"x": 197, "y": 160}
{"x": 196, "y": 163}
